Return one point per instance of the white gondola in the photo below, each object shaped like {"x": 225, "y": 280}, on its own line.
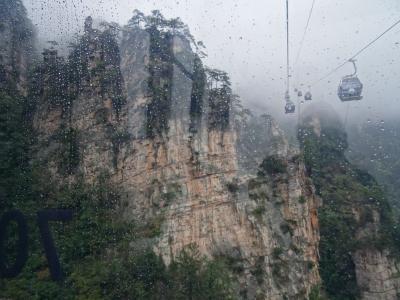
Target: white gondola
{"x": 290, "y": 108}
{"x": 300, "y": 94}
{"x": 350, "y": 87}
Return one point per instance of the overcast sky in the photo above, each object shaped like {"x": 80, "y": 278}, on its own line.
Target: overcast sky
{"x": 246, "y": 38}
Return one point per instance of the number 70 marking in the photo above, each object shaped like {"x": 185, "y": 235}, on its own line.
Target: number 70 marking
{"x": 43, "y": 218}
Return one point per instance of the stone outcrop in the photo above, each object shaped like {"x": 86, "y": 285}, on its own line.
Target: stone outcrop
{"x": 377, "y": 274}
{"x": 377, "y": 270}
{"x": 16, "y": 46}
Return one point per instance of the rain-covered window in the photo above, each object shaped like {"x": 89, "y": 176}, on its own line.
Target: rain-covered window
{"x": 199, "y": 149}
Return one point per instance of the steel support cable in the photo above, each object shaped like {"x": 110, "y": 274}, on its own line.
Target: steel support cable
{"x": 357, "y": 53}
{"x": 305, "y": 32}
{"x": 287, "y": 48}
{"x": 303, "y": 39}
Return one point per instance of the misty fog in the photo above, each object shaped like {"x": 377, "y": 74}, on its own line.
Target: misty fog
{"x": 247, "y": 39}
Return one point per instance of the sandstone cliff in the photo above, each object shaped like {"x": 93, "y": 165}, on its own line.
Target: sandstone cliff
{"x": 173, "y": 153}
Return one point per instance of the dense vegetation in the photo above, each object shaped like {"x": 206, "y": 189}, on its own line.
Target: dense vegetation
{"x": 220, "y": 99}
{"x": 343, "y": 188}
{"x": 198, "y": 90}
{"x": 273, "y": 165}
{"x": 14, "y": 145}
{"x": 159, "y": 82}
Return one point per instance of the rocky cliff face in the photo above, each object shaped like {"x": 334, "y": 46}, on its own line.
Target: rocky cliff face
{"x": 16, "y": 46}
{"x": 377, "y": 268}
{"x": 171, "y": 147}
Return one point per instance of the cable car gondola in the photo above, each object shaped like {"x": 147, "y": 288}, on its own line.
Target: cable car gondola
{"x": 308, "y": 96}
{"x": 290, "y": 108}
{"x": 350, "y": 87}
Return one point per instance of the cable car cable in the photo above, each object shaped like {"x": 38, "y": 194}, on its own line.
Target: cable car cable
{"x": 287, "y": 47}
{"x": 357, "y": 53}
{"x": 305, "y": 32}
{"x": 289, "y": 106}
{"x": 303, "y": 39}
